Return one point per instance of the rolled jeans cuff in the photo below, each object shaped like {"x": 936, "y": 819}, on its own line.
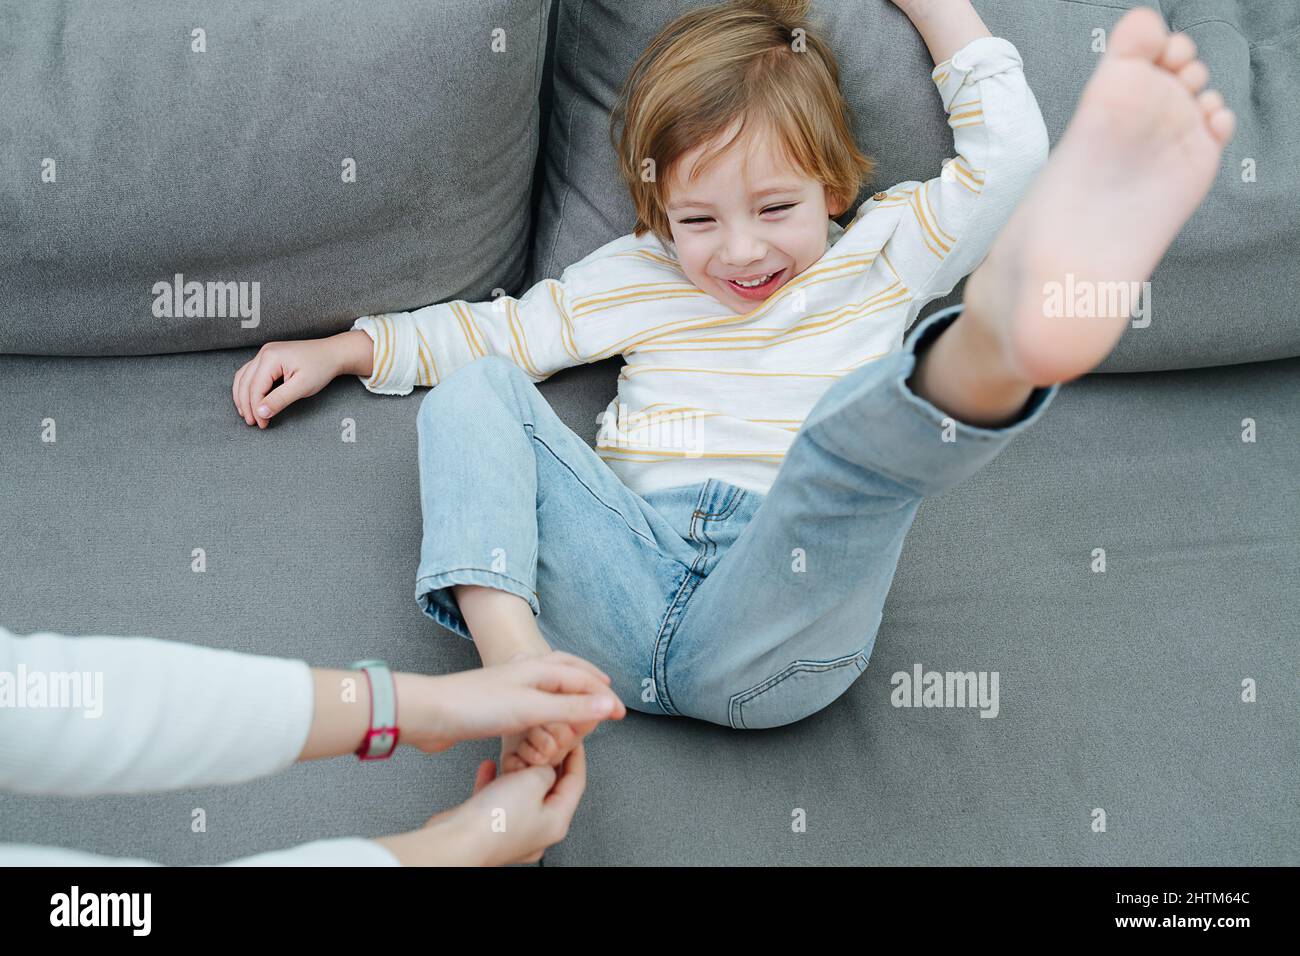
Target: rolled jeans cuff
{"x": 433, "y": 592}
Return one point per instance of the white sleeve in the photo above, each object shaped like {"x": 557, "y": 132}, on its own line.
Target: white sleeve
{"x": 25, "y": 854}
{"x": 535, "y": 331}
{"x": 347, "y": 851}
{"x": 90, "y": 715}
{"x": 1001, "y": 144}
{"x": 350, "y": 851}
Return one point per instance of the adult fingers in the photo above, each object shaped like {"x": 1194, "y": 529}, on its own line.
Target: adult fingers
{"x": 578, "y": 706}
{"x": 565, "y": 678}
{"x": 573, "y": 660}
{"x": 525, "y": 787}
{"x": 512, "y": 763}
{"x": 487, "y": 772}
{"x": 562, "y": 801}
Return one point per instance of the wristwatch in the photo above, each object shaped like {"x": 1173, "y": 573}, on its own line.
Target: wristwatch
{"x": 381, "y": 738}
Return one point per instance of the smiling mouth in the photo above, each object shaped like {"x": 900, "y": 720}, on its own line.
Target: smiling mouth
{"x": 755, "y": 285}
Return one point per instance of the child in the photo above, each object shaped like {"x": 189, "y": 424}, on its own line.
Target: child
{"x": 734, "y": 569}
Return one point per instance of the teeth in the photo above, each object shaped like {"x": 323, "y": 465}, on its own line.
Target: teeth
{"x": 754, "y": 282}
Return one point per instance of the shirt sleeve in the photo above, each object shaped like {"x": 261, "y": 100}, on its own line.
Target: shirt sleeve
{"x": 948, "y": 223}
{"x": 347, "y": 851}
{"x": 535, "y": 331}
{"x": 91, "y": 715}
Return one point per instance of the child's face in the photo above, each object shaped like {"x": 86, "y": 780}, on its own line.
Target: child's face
{"x": 726, "y": 225}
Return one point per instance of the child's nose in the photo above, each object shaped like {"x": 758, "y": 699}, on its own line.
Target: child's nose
{"x": 741, "y": 248}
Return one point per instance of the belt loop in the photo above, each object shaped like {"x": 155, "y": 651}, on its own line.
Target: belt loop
{"x": 701, "y": 506}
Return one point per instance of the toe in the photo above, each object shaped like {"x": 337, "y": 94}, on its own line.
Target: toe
{"x": 1210, "y": 102}
{"x": 1179, "y": 51}
{"x": 1140, "y": 33}
{"x": 543, "y": 742}
{"x": 1223, "y": 124}
{"x": 1194, "y": 76}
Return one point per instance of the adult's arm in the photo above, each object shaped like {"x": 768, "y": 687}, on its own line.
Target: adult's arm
{"x": 91, "y": 715}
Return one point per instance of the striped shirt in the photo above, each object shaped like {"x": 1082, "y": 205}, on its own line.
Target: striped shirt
{"x": 706, "y": 392}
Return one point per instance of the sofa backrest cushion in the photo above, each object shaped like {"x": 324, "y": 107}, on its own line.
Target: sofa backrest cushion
{"x": 321, "y": 161}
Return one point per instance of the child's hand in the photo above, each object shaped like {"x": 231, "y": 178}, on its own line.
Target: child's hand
{"x": 306, "y": 366}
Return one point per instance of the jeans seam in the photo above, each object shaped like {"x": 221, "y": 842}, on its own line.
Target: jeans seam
{"x": 664, "y": 639}
{"x": 737, "y": 495}
{"x": 541, "y": 441}
{"x": 728, "y": 508}
{"x": 795, "y": 667}
{"x": 526, "y": 420}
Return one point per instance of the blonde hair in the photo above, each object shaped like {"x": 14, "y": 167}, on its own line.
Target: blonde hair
{"x": 753, "y": 60}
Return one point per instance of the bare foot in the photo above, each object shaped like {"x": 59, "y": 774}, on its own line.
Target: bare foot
{"x": 1136, "y": 160}
{"x": 543, "y": 744}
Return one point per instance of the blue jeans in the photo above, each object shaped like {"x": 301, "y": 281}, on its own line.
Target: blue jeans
{"x": 707, "y": 600}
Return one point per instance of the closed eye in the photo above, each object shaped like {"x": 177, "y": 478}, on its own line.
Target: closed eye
{"x": 695, "y": 219}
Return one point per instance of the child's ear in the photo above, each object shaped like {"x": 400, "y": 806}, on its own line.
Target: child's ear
{"x": 835, "y": 206}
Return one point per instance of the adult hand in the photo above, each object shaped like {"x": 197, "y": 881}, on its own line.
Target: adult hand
{"x": 435, "y": 712}
{"x": 509, "y": 819}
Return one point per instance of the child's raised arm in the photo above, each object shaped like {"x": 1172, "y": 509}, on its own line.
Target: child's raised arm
{"x": 947, "y": 224}
{"x": 945, "y": 25}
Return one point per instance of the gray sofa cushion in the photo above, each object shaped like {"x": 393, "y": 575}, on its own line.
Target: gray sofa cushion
{"x": 1224, "y": 293}
{"x": 1119, "y": 690}
{"x": 227, "y": 165}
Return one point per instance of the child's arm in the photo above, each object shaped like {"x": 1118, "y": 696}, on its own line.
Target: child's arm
{"x": 393, "y": 352}
{"x": 306, "y": 366}
{"x": 535, "y": 331}
{"x": 946, "y": 225}
{"x": 945, "y": 25}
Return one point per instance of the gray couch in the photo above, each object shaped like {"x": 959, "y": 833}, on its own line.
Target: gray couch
{"x": 479, "y": 168}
